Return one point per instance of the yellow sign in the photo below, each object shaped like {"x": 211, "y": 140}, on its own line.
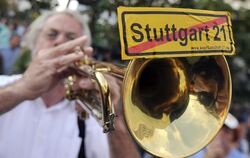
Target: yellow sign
{"x": 174, "y": 32}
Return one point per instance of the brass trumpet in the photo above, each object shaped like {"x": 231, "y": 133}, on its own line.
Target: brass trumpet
{"x": 173, "y": 107}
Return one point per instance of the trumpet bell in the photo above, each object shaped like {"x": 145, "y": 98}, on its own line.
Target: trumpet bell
{"x": 174, "y": 107}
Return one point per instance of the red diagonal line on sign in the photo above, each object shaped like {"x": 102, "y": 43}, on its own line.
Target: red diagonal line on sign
{"x": 151, "y": 44}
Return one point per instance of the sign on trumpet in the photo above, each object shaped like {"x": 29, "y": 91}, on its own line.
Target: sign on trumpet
{"x": 174, "y": 32}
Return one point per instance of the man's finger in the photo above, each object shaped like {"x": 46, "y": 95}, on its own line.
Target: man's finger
{"x": 68, "y": 47}
{"x": 65, "y": 60}
{"x": 87, "y": 83}
{"x": 88, "y": 51}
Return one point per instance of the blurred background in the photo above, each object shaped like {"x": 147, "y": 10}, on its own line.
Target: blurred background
{"x": 16, "y": 15}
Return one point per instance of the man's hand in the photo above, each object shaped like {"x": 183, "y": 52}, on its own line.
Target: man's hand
{"x": 45, "y": 71}
{"x": 87, "y": 83}
{"x": 47, "y": 67}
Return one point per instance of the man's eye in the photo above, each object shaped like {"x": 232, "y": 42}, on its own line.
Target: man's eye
{"x": 52, "y": 35}
{"x": 70, "y": 37}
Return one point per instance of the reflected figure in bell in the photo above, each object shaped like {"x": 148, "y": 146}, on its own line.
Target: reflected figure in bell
{"x": 207, "y": 82}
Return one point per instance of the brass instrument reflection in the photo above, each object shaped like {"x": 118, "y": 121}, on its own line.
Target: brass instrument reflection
{"x": 208, "y": 83}
{"x": 162, "y": 88}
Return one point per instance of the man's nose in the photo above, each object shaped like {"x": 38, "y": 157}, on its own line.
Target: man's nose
{"x": 60, "y": 39}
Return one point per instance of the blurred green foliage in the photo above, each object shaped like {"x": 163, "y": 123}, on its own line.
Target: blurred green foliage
{"x": 3, "y": 7}
{"x": 23, "y": 61}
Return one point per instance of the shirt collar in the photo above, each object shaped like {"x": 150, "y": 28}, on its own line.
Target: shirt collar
{"x": 58, "y": 106}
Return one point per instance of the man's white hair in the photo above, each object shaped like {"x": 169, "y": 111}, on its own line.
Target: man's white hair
{"x": 36, "y": 26}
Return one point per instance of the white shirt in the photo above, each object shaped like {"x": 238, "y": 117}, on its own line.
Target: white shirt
{"x": 33, "y": 131}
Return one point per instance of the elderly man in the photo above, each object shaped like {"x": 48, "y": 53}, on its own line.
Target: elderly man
{"x": 37, "y": 121}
